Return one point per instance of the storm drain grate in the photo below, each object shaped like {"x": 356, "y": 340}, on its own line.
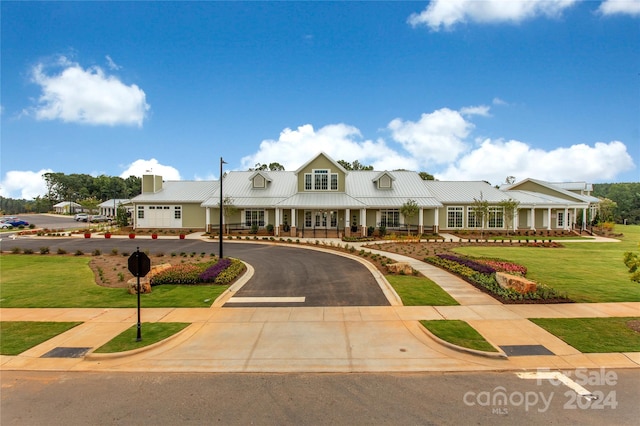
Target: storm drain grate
{"x": 523, "y": 350}
{"x": 62, "y": 352}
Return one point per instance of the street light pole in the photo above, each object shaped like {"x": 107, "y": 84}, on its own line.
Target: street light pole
{"x": 221, "y": 207}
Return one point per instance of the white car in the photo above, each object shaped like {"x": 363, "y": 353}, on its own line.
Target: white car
{"x": 5, "y": 225}
{"x": 81, "y": 217}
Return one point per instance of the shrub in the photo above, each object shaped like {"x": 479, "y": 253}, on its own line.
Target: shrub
{"x": 212, "y": 272}
{"x": 114, "y": 251}
{"x": 230, "y": 273}
{"x": 96, "y": 252}
{"x": 79, "y": 252}
{"x": 185, "y": 273}
{"x": 28, "y": 251}
{"x": 16, "y": 250}
{"x": 61, "y": 251}
{"x": 44, "y": 250}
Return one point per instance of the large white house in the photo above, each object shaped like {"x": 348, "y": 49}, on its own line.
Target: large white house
{"x": 321, "y": 198}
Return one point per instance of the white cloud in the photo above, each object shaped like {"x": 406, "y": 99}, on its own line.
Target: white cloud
{"x": 87, "y": 96}
{"x": 24, "y": 184}
{"x": 500, "y": 102}
{"x": 145, "y": 167}
{"x": 437, "y": 138}
{"x": 494, "y": 160}
{"x": 340, "y": 141}
{"x": 446, "y": 13}
{"x": 112, "y": 65}
{"x": 622, "y": 7}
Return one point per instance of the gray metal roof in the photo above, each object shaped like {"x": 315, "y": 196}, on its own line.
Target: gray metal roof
{"x": 531, "y": 199}
{"x": 239, "y": 186}
{"x": 464, "y": 192}
{"x": 179, "y": 191}
{"x": 321, "y": 200}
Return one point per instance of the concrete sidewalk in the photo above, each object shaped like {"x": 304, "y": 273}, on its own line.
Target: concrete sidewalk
{"x": 321, "y": 339}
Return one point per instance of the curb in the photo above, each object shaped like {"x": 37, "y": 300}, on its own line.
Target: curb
{"x": 494, "y": 355}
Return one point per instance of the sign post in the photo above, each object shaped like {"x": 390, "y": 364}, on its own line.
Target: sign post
{"x": 139, "y": 266}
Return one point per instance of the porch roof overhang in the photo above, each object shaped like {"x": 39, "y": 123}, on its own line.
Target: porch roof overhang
{"x": 321, "y": 200}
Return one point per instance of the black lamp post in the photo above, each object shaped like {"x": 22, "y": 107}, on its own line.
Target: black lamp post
{"x": 221, "y": 206}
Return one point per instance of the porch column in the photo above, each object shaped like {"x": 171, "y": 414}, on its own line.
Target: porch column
{"x": 516, "y": 220}
{"x": 347, "y": 222}
{"x": 549, "y": 218}
{"x": 584, "y": 219}
{"x": 207, "y": 218}
{"x": 567, "y": 225}
{"x": 276, "y": 228}
{"x": 532, "y": 217}
{"x": 436, "y": 221}
{"x": 363, "y": 222}
{"x": 293, "y": 222}
{"x": 420, "y": 221}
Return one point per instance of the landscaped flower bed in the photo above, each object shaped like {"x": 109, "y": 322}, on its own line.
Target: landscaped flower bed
{"x": 481, "y": 273}
{"x": 217, "y": 272}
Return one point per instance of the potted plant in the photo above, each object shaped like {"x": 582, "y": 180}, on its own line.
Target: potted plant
{"x": 107, "y": 234}
{"x": 132, "y": 235}
{"x": 87, "y": 234}
{"x": 154, "y": 236}
{"x": 181, "y": 236}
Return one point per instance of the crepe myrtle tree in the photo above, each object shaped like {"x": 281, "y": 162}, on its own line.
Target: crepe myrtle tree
{"x": 409, "y": 210}
{"x": 480, "y": 209}
{"x": 229, "y": 209}
{"x": 510, "y": 208}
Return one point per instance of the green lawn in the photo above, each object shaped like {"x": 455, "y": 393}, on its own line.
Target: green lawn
{"x": 459, "y": 333}
{"x": 32, "y": 281}
{"x": 18, "y": 336}
{"x": 419, "y": 291}
{"x": 594, "y": 335}
{"x": 150, "y": 333}
{"x": 586, "y": 272}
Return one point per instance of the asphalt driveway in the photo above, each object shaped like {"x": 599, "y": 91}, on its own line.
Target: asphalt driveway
{"x": 284, "y": 275}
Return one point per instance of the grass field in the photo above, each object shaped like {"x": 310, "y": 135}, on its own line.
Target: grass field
{"x": 18, "y": 336}
{"x": 459, "y": 333}
{"x": 585, "y": 271}
{"x": 419, "y": 291}
{"x": 34, "y": 281}
{"x": 594, "y": 335}
{"x": 150, "y": 333}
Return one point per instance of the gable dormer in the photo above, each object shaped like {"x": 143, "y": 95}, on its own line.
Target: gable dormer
{"x": 384, "y": 180}
{"x": 321, "y": 173}
{"x": 259, "y": 180}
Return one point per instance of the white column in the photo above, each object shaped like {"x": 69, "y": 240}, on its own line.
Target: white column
{"x": 436, "y": 220}
{"x": 363, "y": 222}
{"x": 420, "y": 220}
{"x": 347, "y": 218}
{"x": 567, "y": 225}
{"x": 277, "y": 224}
{"x": 207, "y": 218}
{"x": 532, "y": 218}
{"x": 548, "y": 218}
{"x": 293, "y": 217}
{"x": 584, "y": 219}
{"x": 516, "y": 220}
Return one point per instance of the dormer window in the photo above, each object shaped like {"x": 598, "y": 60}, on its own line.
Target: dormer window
{"x": 259, "y": 181}
{"x": 384, "y": 180}
{"x": 321, "y": 180}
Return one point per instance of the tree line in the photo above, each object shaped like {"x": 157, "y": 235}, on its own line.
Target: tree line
{"x": 79, "y": 188}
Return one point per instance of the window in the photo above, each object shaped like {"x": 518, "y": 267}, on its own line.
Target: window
{"x": 560, "y": 219}
{"x": 140, "y": 212}
{"x": 177, "y": 212}
{"x": 390, "y": 218}
{"x": 320, "y": 180}
{"x": 334, "y": 219}
{"x": 474, "y": 220}
{"x": 307, "y": 219}
{"x": 454, "y": 217}
{"x": 254, "y": 217}
{"x": 496, "y": 217}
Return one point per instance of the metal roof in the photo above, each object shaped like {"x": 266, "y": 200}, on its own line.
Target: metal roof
{"x": 464, "y": 192}
{"x": 179, "y": 191}
{"x": 530, "y": 199}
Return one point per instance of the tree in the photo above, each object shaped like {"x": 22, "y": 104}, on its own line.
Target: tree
{"x": 229, "y": 209}
{"x": 480, "y": 209}
{"x": 409, "y": 210}
{"x": 426, "y": 176}
{"x": 273, "y": 167}
{"x": 510, "y": 180}
{"x": 122, "y": 217}
{"x": 90, "y": 204}
{"x": 356, "y": 165}
{"x": 607, "y": 210}
{"x": 510, "y": 208}
{"x": 632, "y": 260}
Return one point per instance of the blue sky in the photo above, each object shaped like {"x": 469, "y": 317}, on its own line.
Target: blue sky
{"x": 462, "y": 89}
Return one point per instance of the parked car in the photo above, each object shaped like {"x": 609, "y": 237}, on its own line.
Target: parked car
{"x": 5, "y": 225}
{"x": 99, "y": 218}
{"x": 81, "y": 217}
{"x": 17, "y": 222}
